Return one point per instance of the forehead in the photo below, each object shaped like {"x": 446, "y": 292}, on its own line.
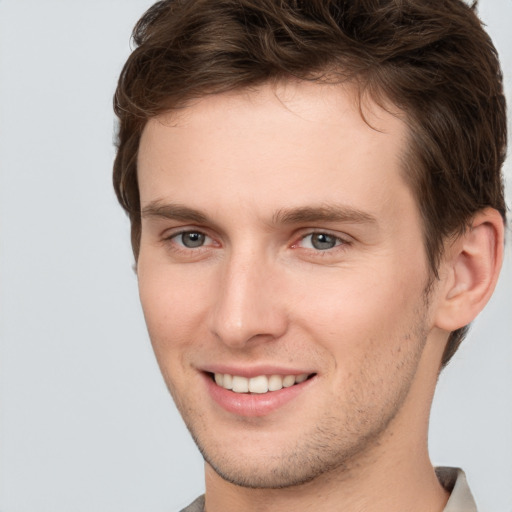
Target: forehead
{"x": 301, "y": 137}
{"x": 331, "y": 104}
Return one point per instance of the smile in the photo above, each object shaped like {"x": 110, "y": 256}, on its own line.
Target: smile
{"x": 260, "y": 384}
{"x": 257, "y": 392}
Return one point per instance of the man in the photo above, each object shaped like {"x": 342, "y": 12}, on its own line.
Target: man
{"x": 317, "y": 214}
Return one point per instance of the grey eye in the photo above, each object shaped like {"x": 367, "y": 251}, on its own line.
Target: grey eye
{"x": 192, "y": 239}
{"x": 323, "y": 241}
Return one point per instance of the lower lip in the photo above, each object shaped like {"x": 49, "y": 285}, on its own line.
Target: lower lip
{"x": 253, "y": 404}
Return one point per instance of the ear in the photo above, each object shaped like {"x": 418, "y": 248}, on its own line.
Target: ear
{"x": 470, "y": 270}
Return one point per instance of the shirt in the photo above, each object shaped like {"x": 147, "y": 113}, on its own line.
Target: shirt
{"x": 452, "y": 479}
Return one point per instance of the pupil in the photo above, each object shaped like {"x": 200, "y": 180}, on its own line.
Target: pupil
{"x": 192, "y": 239}
{"x": 322, "y": 241}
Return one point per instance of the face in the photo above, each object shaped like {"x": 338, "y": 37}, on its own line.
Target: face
{"x": 282, "y": 275}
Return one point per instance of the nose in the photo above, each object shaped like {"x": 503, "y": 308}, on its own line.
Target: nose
{"x": 248, "y": 309}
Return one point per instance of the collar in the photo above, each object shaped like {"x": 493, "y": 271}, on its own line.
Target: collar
{"x": 454, "y": 481}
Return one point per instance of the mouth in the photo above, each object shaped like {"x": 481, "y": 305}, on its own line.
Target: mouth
{"x": 260, "y": 384}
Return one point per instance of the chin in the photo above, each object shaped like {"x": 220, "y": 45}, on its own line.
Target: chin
{"x": 267, "y": 475}
{"x": 282, "y": 466}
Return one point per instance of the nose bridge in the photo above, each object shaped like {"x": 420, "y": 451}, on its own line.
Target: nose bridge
{"x": 247, "y": 307}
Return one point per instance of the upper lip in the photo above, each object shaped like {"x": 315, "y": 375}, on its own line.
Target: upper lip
{"x": 254, "y": 371}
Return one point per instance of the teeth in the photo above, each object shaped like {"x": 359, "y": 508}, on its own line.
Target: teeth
{"x": 260, "y": 384}
{"x": 227, "y": 381}
{"x": 275, "y": 383}
{"x": 240, "y": 384}
{"x": 288, "y": 381}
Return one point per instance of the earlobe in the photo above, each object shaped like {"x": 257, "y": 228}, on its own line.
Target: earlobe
{"x": 472, "y": 266}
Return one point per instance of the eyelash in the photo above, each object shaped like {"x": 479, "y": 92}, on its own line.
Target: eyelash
{"x": 180, "y": 246}
{"x": 340, "y": 243}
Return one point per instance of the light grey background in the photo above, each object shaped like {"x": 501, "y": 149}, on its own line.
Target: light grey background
{"x": 86, "y": 424}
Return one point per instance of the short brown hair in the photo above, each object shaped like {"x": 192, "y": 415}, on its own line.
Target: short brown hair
{"x": 430, "y": 58}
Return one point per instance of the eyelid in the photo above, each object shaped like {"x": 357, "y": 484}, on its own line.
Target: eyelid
{"x": 179, "y": 230}
{"x": 170, "y": 236}
{"x": 343, "y": 239}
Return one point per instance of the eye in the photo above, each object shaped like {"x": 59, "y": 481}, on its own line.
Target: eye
{"x": 191, "y": 239}
{"x": 320, "y": 241}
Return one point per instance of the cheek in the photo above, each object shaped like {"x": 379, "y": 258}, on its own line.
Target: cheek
{"x": 372, "y": 332}
{"x": 174, "y": 304}
{"x": 357, "y": 310}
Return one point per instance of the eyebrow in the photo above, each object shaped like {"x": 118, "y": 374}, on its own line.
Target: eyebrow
{"x": 173, "y": 211}
{"x": 324, "y": 213}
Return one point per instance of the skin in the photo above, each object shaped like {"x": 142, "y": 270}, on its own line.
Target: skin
{"x": 258, "y": 173}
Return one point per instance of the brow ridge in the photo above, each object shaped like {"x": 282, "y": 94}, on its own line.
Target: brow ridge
{"x": 173, "y": 211}
{"x": 323, "y": 213}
